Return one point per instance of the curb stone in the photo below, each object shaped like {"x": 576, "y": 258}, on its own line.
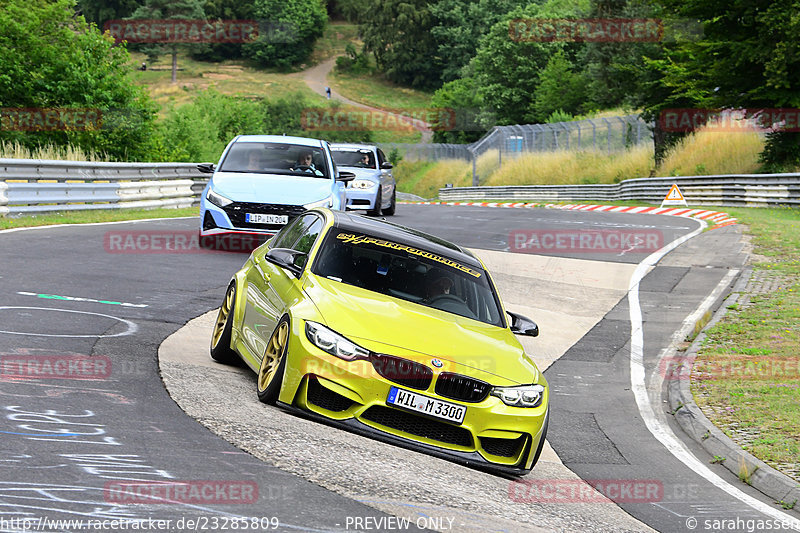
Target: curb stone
{"x": 764, "y": 478}
{"x": 719, "y": 219}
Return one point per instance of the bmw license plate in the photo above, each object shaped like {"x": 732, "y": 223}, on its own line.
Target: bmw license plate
{"x": 262, "y": 218}
{"x": 426, "y": 405}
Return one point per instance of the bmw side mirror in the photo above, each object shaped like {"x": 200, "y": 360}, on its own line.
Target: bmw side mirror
{"x": 206, "y": 168}
{"x": 345, "y": 176}
{"x": 287, "y": 258}
{"x": 386, "y": 166}
{"x": 521, "y": 325}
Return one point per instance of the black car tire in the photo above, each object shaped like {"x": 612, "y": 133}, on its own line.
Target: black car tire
{"x": 273, "y": 363}
{"x": 221, "y": 335}
{"x": 376, "y": 212}
{"x": 389, "y": 211}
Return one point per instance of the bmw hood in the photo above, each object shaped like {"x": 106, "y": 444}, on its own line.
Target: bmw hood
{"x": 271, "y": 188}
{"x": 397, "y": 327}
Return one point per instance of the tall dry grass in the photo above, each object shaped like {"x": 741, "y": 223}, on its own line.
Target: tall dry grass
{"x": 69, "y": 152}
{"x": 455, "y": 171}
{"x": 702, "y": 153}
{"x": 714, "y": 152}
{"x": 564, "y": 167}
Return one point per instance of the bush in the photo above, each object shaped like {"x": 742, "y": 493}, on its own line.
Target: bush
{"x": 353, "y": 61}
{"x": 200, "y": 130}
{"x": 559, "y": 116}
{"x": 61, "y": 63}
{"x": 781, "y": 152}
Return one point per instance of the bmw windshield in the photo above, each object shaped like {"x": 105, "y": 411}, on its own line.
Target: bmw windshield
{"x": 408, "y": 273}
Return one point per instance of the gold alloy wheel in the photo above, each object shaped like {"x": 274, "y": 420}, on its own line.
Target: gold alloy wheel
{"x": 272, "y": 356}
{"x": 222, "y": 316}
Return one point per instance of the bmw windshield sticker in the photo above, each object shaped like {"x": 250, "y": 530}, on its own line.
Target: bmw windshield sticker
{"x": 349, "y": 238}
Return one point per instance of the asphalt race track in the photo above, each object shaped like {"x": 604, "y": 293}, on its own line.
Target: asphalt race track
{"x": 69, "y": 445}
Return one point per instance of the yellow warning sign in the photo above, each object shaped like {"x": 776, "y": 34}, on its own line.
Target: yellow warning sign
{"x": 674, "y": 197}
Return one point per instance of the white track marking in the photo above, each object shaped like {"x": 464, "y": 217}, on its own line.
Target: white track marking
{"x": 657, "y": 425}
{"x": 131, "y": 327}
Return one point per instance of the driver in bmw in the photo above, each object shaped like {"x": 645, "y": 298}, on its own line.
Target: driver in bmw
{"x": 438, "y": 286}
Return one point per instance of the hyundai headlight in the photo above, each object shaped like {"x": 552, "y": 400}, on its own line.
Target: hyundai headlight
{"x": 325, "y": 202}
{"x": 217, "y": 199}
{"x": 520, "y": 396}
{"x": 333, "y": 343}
{"x": 362, "y": 184}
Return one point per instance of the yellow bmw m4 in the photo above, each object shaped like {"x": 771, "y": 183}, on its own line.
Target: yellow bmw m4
{"x": 388, "y": 332}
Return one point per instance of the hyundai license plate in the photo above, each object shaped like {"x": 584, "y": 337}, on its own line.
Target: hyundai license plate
{"x": 426, "y": 405}
{"x": 262, "y": 218}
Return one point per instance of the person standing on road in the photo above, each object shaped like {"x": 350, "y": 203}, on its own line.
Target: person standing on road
{"x": 328, "y": 92}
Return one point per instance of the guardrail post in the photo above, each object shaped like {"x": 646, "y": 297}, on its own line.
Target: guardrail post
{"x": 474, "y": 168}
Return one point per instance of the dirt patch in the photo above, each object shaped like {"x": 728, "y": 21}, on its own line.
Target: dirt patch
{"x": 217, "y": 76}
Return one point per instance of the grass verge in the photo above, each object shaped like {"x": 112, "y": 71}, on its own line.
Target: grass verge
{"x": 230, "y": 77}
{"x": 747, "y": 375}
{"x": 93, "y": 216}
{"x": 369, "y": 90}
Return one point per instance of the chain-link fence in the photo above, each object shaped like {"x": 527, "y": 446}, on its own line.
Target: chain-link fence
{"x": 608, "y": 134}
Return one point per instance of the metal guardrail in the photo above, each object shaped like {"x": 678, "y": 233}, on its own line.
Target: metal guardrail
{"x": 757, "y": 190}
{"x": 39, "y": 186}
{"x": 3, "y": 199}
{"x": 61, "y": 171}
{"x": 36, "y": 186}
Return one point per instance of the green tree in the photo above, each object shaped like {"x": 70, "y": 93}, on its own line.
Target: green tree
{"x": 62, "y": 63}
{"x": 507, "y": 70}
{"x": 559, "y": 89}
{"x": 216, "y": 10}
{"x": 398, "y": 34}
{"x": 289, "y": 29}
{"x": 168, "y": 10}
{"x": 350, "y": 10}
{"x": 615, "y": 70}
{"x": 459, "y": 25}
{"x": 101, "y": 11}
{"x": 464, "y": 113}
{"x": 747, "y": 58}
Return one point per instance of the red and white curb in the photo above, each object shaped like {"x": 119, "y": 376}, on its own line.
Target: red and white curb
{"x": 718, "y": 218}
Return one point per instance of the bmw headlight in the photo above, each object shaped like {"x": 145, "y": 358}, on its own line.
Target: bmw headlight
{"x": 325, "y": 202}
{"x": 217, "y": 199}
{"x": 521, "y": 396}
{"x": 362, "y": 184}
{"x": 333, "y": 343}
